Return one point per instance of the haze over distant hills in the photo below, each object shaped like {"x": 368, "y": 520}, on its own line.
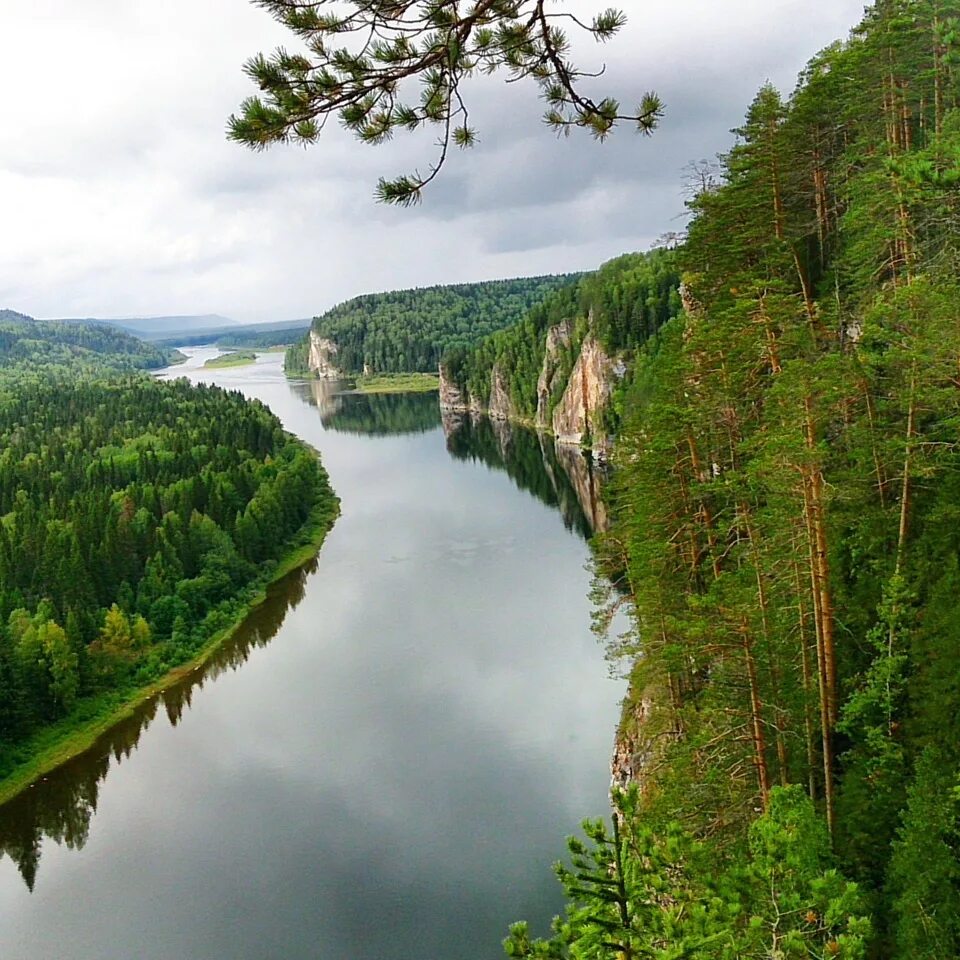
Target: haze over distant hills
{"x": 152, "y": 328}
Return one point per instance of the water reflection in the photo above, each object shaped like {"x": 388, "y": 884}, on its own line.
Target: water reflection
{"x": 559, "y": 475}
{"x": 372, "y": 414}
{"x": 61, "y": 805}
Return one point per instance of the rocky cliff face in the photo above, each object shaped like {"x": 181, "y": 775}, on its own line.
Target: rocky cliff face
{"x": 452, "y": 398}
{"x": 558, "y": 337}
{"x": 645, "y": 731}
{"x": 501, "y": 406}
{"x": 322, "y": 357}
{"x": 578, "y": 416}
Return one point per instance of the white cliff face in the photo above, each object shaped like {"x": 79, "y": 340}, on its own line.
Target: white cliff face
{"x": 501, "y": 406}
{"x": 577, "y": 418}
{"x": 452, "y": 398}
{"x": 558, "y": 337}
{"x": 322, "y": 357}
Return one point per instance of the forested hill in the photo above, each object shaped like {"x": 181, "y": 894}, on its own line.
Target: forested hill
{"x": 409, "y": 330}
{"x": 77, "y": 347}
{"x": 786, "y": 528}
{"x": 620, "y": 306}
{"x": 139, "y": 520}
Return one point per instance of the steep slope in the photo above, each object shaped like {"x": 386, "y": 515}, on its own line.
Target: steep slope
{"x": 77, "y": 347}
{"x": 560, "y": 369}
{"x": 409, "y": 330}
{"x": 786, "y": 491}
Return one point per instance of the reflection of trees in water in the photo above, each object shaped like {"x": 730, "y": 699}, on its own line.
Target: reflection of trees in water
{"x": 560, "y": 476}
{"x": 61, "y": 806}
{"x": 385, "y": 414}
{"x": 370, "y": 414}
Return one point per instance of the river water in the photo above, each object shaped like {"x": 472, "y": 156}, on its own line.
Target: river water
{"x": 383, "y": 763}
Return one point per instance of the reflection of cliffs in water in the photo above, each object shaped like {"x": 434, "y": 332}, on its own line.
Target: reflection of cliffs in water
{"x": 61, "y": 806}
{"x": 560, "y": 476}
{"x": 371, "y": 414}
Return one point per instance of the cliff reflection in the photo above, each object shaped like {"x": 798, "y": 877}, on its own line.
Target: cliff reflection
{"x": 61, "y": 806}
{"x": 370, "y": 414}
{"x": 559, "y": 475}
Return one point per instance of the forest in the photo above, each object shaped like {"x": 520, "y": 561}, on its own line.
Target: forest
{"x": 409, "y": 330}
{"x": 139, "y": 520}
{"x": 623, "y": 304}
{"x": 81, "y": 347}
{"x": 786, "y": 535}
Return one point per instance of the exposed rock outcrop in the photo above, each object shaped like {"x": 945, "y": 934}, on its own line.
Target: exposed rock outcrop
{"x": 558, "y": 338}
{"x": 577, "y": 418}
{"x": 501, "y": 406}
{"x": 643, "y": 734}
{"x": 452, "y": 398}
{"x": 322, "y": 357}
{"x": 630, "y": 756}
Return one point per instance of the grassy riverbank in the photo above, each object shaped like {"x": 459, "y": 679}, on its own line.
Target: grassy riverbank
{"x": 398, "y": 383}
{"x": 54, "y": 745}
{"x": 236, "y": 358}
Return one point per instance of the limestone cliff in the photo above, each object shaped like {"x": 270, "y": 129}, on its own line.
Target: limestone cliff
{"x": 452, "y": 398}
{"x": 578, "y": 417}
{"x": 322, "y": 358}
{"x": 558, "y": 338}
{"x": 500, "y": 407}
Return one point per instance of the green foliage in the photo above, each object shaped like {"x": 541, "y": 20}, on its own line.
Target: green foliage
{"x": 233, "y": 358}
{"x": 924, "y": 876}
{"x": 637, "y": 892}
{"x": 136, "y": 518}
{"x": 622, "y": 304}
{"x": 357, "y": 60}
{"x": 408, "y": 331}
{"x": 785, "y": 519}
{"x": 81, "y": 347}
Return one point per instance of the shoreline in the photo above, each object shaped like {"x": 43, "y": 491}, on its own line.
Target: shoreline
{"x": 77, "y": 739}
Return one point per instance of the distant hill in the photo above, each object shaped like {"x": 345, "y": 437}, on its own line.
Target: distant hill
{"x": 409, "y": 330}
{"x": 78, "y": 346}
{"x": 247, "y": 335}
{"x": 159, "y": 328}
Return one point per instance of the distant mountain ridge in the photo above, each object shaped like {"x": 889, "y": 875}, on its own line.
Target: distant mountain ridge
{"x": 160, "y": 327}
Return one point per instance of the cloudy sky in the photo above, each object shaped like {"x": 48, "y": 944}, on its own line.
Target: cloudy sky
{"x": 119, "y": 194}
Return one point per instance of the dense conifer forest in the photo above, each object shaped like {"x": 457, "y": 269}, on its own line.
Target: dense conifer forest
{"x": 785, "y": 515}
{"x": 785, "y": 533}
{"x": 81, "y": 348}
{"x": 138, "y": 520}
{"x": 409, "y": 330}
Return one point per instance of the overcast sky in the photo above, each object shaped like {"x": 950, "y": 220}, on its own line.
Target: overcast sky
{"x": 119, "y": 194}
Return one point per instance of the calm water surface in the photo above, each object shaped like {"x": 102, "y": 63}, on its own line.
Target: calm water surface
{"x": 385, "y": 761}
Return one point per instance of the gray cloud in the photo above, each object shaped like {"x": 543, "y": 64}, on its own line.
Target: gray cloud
{"x": 120, "y": 194}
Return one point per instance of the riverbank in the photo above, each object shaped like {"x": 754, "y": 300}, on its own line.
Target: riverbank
{"x": 235, "y": 358}
{"x": 92, "y": 718}
{"x": 398, "y": 383}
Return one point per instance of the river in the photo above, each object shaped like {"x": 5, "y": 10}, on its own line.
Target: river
{"x": 384, "y": 762}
